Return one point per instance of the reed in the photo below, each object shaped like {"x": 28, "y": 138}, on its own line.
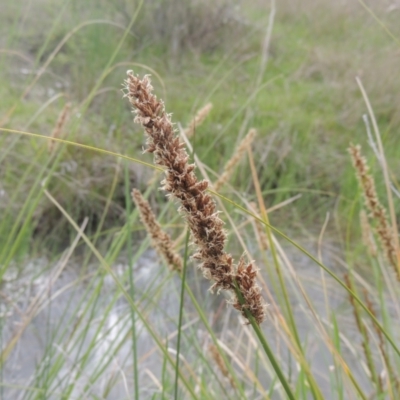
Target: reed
{"x": 196, "y": 204}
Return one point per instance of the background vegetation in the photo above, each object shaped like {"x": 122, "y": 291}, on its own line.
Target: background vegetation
{"x": 302, "y": 97}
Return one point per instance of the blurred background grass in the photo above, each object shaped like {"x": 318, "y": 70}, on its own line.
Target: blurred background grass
{"x": 306, "y": 109}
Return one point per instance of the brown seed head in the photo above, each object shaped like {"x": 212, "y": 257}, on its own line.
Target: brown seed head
{"x": 377, "y": 211}
{"x": 196, "y": 204}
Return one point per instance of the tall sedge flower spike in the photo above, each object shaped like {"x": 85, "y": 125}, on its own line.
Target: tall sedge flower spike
{"x": 196, "y": 204}
{"x": 377, "y": 211}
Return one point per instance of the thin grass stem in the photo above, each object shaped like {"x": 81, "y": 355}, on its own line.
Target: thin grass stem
{"x": 132, "y": 289}
{"x": 182, "y": 300}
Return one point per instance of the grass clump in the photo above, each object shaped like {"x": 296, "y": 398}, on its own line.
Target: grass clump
{"x": 89, "y": 310}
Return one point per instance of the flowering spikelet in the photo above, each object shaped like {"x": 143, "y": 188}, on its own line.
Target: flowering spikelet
{"x": 62, "y": 119}
{"x": 231, "y": 164}
{"x": 378, "y": 212}
{"x": 161, "y": 240}
{"x": 196, "y": 204}
{"x": 198, "y": 119}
